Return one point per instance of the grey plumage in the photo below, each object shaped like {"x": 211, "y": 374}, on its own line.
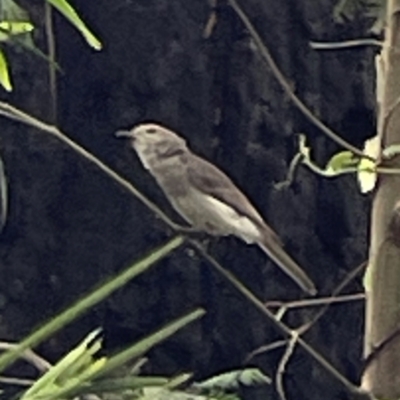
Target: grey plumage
{"x": 205, "y": 197}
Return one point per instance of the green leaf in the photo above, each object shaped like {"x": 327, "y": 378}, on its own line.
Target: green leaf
{"x": 10, "y": 29}
{"x": 5, "y": 80}
{"x": 79, "y": 359}
{"x": 147, "y": 343}
{"x": 16, "y": 29}
{"x": 68, "y": 11}
{"x": 14, "y": 20}
{"x": 71, "y": 367}
{"x": 93, "y": 370}
{"x": 88, "y": 301}
{"x": 232, "y": 380}
{"x": 342, "y": 161}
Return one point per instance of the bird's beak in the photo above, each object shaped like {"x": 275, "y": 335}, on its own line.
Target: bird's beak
{"x": 124, "y": 134}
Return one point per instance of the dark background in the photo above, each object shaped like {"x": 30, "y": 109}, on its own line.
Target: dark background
{"x": 69, "y": 226}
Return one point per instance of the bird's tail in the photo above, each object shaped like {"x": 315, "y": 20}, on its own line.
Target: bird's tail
{"x": 276, "y": 252}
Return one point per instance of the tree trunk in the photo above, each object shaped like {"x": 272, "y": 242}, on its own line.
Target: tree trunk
{"x": 382, "y": 341}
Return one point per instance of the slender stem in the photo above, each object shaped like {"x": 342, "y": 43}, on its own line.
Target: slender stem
{"x": 260, "y": 306}
{"x": 345, "y": 44}
{"x": 51, "y": 48}
{"x": 286, "y": 86}
{"x": 13, "y": 113}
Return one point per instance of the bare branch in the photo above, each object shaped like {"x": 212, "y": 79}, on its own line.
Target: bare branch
{"x": 286, "y": 86}
{"x": 270, "y": 315}
{"x": 13, "y": 113}
{"x": 283, "y": 363}
{"x": 37, "y": 361}
{"x": 265, "y": 349}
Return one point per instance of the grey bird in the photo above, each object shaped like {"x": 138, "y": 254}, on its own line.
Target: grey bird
{"x": 205, "y": 197}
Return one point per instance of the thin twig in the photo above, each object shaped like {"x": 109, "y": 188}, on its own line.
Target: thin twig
{"x": 294, "y": 164}
{"x": 51, "y": 48}
{"x": 260, "y": 305}
{"x": 283, "y": 307}
{"x": 37, "y": 361}
{"x": 282, "y": 365}
{"x": 265, "y": 349}
{"x": 286, "y": 86}
{"x": 316, "y": 302}
{"x": 136, "y": 369}
{"x": 345, "y": 44}
{"x": 16, "y": 381}
{"x": 13, "y": 113}
{"x": 348, "y": 278}
{"x": 212, "y": 19}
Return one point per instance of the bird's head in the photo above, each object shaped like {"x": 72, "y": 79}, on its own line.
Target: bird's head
{"x": 152, "y": 141}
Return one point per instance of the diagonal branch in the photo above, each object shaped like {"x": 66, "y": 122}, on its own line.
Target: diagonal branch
{"x": 18, "y": 115}
{"x": 285, "y": 85}
{"x": 270, "y": 315}
{"x": 15, "y": 114}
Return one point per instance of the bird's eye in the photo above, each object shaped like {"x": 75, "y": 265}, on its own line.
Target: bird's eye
{"x": 151, "y": 130}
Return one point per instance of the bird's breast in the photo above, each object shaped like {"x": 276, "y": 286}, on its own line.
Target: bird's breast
{"x": 172, "y": 178}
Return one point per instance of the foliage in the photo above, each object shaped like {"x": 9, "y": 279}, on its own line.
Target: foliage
{"x": 16, "y": 29}
{"x": 88, "y": 301}
{"x": 71, "y": 15}
{"x": 82, "y": 370}
{"x": 232, "y": 380}
{"x": 371, "y": 161}
{"x": 73, "y": 368}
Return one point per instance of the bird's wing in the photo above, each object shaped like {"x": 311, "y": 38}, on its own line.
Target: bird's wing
{"x": 209, "y": 179}
{"x": 212, "y": 181}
